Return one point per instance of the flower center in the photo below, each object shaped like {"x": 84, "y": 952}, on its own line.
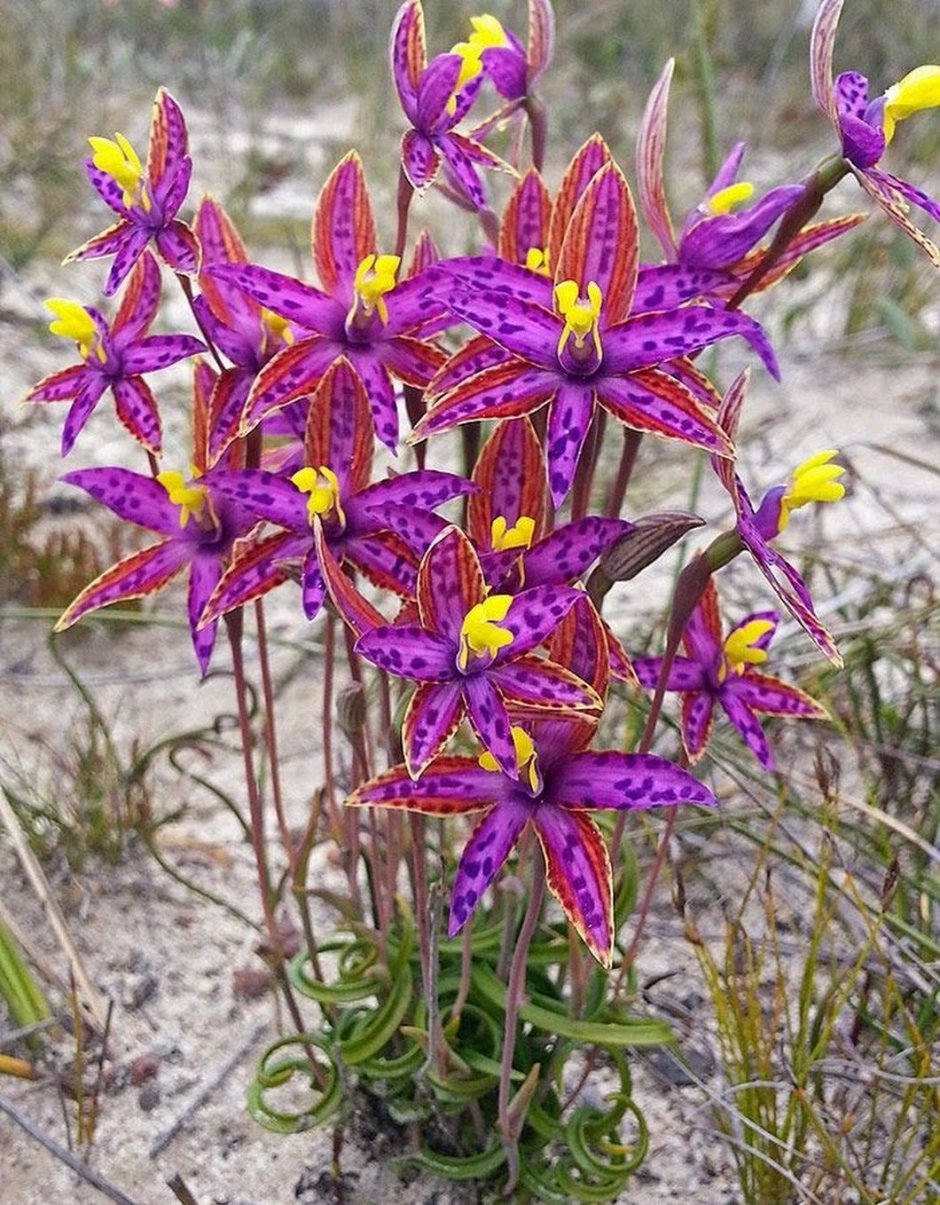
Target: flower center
{"x": 374, "y": 277}
{"x": 487, "y": 32}
{"x": 191, "y": 499}
{"x": 581, "y": 316}
{"x": 121, "y": 162}
{"x": 322, "y": 486}
{"x": 502, "y": 536}
{"x": 726, "y": 199}
{"x": 536, "y": 260}
{"x": 526, "y": 760}
{"x": 480, "y": 633}
{"x": 73, "y": 321}
{"x": 815, "y": 480}
{"x": 919, "y": 89}
{"x": 740, "y": 648}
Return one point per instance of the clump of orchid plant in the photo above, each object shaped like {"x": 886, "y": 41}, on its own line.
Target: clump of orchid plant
{"x": 471, "y": 604}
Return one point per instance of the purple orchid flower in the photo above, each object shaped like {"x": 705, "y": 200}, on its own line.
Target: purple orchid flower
{"x": 553, "y": 789}
{"x": 330, "y": 493}
{"x": 380, "y": 326}
{"x": 513, "y": 68}
{"x": 717, "y": 247}
{"x": 436, "y": 96}
{"x": 588, "y": 350}
{"x": 114, "y": 358}
{"x": 199, "y": 527}
{"x": 816, "y": 480}
{"x": 145, "y": 200}
{"x": 472, "y": 652}
{"x": 865, "y": 127}
{"x": 721, "y": 670}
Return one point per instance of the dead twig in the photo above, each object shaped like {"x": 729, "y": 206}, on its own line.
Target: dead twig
{"x": 71, "y": 1161}
{"x": 163, "y": 1140}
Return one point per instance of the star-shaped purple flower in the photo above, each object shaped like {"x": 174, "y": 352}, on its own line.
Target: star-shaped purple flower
{"x": 199, "y": 527}
{"x": 865, "y": 126}
{"x": 436, "y": 96}
{"x": 380, "y": 326}
{"x": 590, "y": 350}
{"x": 720, "y": 669}
{"x": 555, "y": 786}
{"x": 146, "y": 199}
{"x": 114, "y": 358}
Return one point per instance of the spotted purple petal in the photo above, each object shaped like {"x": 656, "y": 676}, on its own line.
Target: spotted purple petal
{"x": 762, "y": 693}
{"x": 749, "y": 727}
{"x": 432, "y": 718}
{"x": 569, "y": 418}
{"x": 137, "y": 410}
{"x": 204, "y": 575}
{"x": 483, "y": 857}
{"x": 410, "y": 651}
{"x": 489, "y": 719}
{"x": 698, "y": 712}
{"x": 131, "y": 496}
{"x": 532, "y": 617}
{"x": 265, "y": 495}
{"x": 579, "y": 875}
{"x": 620, "y": 781}
{"x": 685, "y": 674}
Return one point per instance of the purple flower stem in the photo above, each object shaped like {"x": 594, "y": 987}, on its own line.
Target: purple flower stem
{"x": 187, "y": 286}
{"x": 820, "y": 181}
{"x": 466, "y": 966}
{"x": 538, "y": 124}
{"x": 329, "y": 652}
{"x": 234, "y": 623}
{"x": 618, "y": 489}
{"x": 490, "y": 223}
{"x": 270, "y": 733}
{"x": 514, "y": 991}
{"x": 436, "y": 1041}
{"x": 587, "y": 464}
{"x": 415, "y": 409}
{"x": 689, "y": 589}
{"x": 405, "y": 193}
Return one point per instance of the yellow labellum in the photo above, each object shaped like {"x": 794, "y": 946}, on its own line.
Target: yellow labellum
{"x": 73, "y": 321}
{"x": 487, "y": 32}
{"x": 536, "y": 260}
{"x": 919, "y": 89}
{"x": 727, "y": 198}
{"x": 277, "y": 327}
{"x": 322, "y": 485}
{"x": 480, "y": 632}
{"x": 375, "y": 277}
{"x": 815, "y": 480}
{"x": 502, "y": 536}
{"x": 580, "y": 314}
{"x": 525, "y": 757}
{"x": 191, "y": 499}
{"x": 120, "y": 161}
{"x": 739, "y": 646}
